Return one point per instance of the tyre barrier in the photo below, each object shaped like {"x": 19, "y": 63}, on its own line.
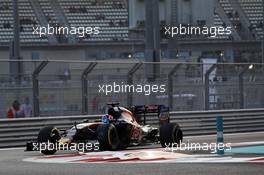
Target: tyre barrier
{"x": 16, "y": 132}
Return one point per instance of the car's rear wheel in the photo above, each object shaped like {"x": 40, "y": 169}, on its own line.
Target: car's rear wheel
{"x": 124, "y": 133}
{"x": 48, "y": 134}
{"x": 170, "y": 133}
{"x": 107, "y": 137}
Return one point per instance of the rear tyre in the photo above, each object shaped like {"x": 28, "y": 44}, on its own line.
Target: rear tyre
{"x": 124, "y": 136}
{"x": 170, "y": 133}
{"x": 107, "y": 137}
{"x": 48, "y": 134}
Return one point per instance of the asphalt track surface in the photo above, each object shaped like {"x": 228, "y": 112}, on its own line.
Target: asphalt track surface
{"x": 11, "y": 163}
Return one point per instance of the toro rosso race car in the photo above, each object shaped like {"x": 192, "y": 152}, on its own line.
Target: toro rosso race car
{"x": 117, "y": 130}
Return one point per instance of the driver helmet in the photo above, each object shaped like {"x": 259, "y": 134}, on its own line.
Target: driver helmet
{"x": 106, "y": 118}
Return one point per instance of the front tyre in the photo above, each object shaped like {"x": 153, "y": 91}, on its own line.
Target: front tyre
{"x": 48, "y": 134}
{"x": 107, "y": 137}
{"x": 170, "y": 133}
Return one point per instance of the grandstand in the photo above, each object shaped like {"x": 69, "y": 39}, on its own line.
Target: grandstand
{"x": 246, "y": 16}
{"x": 112, "y": 18}
{"x": 254, "y": 10}
{"x": 27, "y": 19}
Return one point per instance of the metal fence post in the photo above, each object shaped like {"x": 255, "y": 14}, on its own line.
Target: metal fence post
{"x": 35, "y": 84}
{"x": 241, "y": 90}
{"x": 207, "y": 87}
{"x": 85, "y": 73}
{"x": 262, "y": 41}
{"x": 130, "y": 82}
{"x": 241, "y": 84}
{"x": 170, "y": 85}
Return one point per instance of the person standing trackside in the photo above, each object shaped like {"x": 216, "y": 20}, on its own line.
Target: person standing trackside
{"x": 27, "y": 108}
{"x": 15, "y": 111}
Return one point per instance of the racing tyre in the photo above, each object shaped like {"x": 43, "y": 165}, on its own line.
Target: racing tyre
{"x": 107, "y": 137}
{"x": 170, "y": 133}
{"x": 124, "y": 136}
{"x": 48, "y": 134}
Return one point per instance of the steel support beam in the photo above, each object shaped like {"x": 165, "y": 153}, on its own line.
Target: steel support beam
{"x": 130, "y": 74}
{"x": 207, "y": 87}
{"x": 221, "y": 12}
{"x": 152, "y": 35}
{"x": 262, "y": 41}
{"x": 170, "y": 85}
{"x": 16, "y": 68}
{"x": 84, "y": 80}
{"x": 35, "y": 84}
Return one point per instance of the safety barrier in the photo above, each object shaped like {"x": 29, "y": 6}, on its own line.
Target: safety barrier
{"x": 16, "y": 132}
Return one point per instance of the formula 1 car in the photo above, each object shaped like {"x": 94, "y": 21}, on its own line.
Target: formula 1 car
{"x": 119, "y": 129}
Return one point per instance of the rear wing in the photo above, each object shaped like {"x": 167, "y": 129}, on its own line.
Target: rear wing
{"x": 162, "y": 111}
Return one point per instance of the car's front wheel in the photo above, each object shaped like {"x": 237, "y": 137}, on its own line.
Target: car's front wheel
{"x": 107, "y": 137}
{"x": 48, "y": 134}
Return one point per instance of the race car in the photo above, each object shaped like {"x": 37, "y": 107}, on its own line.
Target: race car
{"x": 120, "y": 128}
